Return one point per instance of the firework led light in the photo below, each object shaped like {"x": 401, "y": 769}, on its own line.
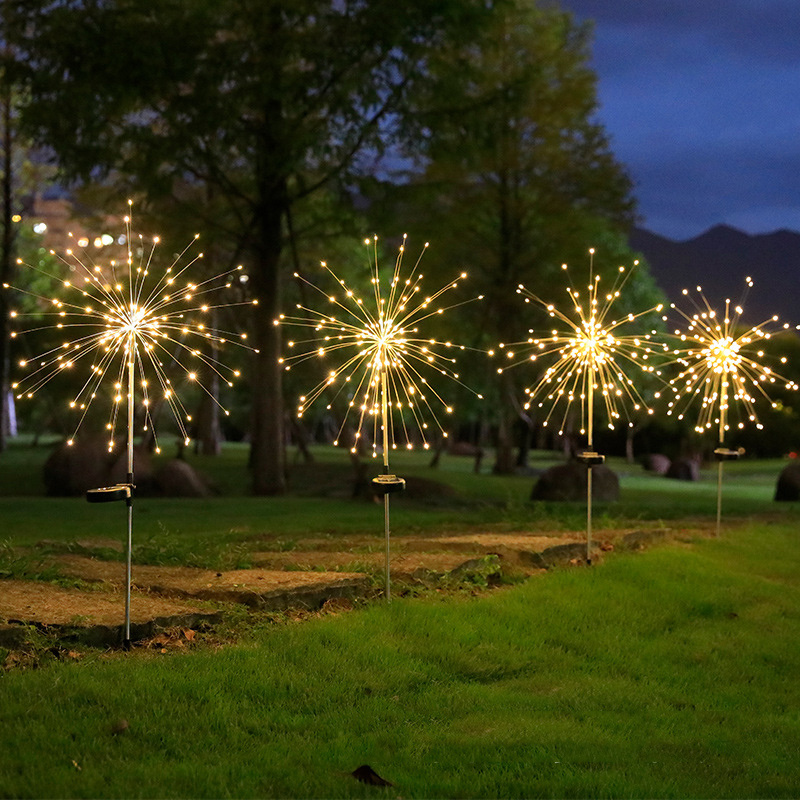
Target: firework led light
{"x": 378, "y": 356}
{"x": 722, "y": 366}
{"x": 592, "y": 356}
{"x": 125, "y": 323}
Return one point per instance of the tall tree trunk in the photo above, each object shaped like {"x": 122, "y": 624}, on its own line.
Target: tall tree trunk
{"x": 504, "y": 452}
{"x": 630, "y": 432}
{"x": 268, "y": 447}
{"x": 6, "y": 259}
{"x": 525, "y": 434}
{"x": 267, "y": 450}
{"x": 208, "y": 434}
{"x": 301, "y": 437}
{"x": 207, "y": 430}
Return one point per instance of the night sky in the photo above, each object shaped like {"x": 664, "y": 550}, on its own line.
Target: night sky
{"x": 702, "y": 102}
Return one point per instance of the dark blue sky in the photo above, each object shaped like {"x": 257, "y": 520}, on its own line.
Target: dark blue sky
{"x": 702, "y": 102}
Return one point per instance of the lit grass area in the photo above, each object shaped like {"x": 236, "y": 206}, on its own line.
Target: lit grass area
{"x": 671, "y": 673}
{"x": 319, "y": 502}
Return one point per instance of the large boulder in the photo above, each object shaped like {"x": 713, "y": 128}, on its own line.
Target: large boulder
{"x": 178, "y": 479}
{"x": 568, "y": 482}
{"x": 142, "y": 469}
{"x": 427, "y": 490}
{"x": 657, "y": 463}
{"x": 71, "y": 469}
{"x": 684, "y": 469}
{"x": 788, "y": 487}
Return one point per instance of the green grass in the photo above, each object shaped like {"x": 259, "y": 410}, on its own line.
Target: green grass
{"x": 671, "y": 673}
{"x": 319, "y": 503}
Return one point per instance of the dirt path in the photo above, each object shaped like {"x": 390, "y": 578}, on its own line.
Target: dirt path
{"x": 315, "y": 572}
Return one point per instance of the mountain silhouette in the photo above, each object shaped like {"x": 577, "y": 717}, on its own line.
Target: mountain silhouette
{"x": 719, "y": 260}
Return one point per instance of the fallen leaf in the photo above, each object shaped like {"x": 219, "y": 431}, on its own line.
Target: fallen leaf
{"x": 189, "y": 634}
{"x": 366, "y": 774}
{"x": 120, "y": 726}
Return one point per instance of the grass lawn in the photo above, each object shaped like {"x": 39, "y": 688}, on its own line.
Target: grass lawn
{"x": 668, "y": 673}
{"x": 671, "y": 673}
{"x": 319, "y": 502}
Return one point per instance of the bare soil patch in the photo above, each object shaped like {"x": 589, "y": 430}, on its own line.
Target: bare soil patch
{"x": 258, "y": 588}
{"x": 491, "y": 542}
{"x": 184, "y": 579}
{"x": 48, "y": 604}
{"x": 402, "y": 563}
{"x": 94, "y": 617}
{"x": 316, "y": 572}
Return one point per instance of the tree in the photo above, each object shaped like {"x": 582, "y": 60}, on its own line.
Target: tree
{"x": 18, "y": 177}
{"x": 6, "y": 212}
{"x": 265, "y": 102}
{"x": 518, "y": 175}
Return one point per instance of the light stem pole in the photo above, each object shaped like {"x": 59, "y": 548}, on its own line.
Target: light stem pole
{"x": 385, "y": 422}
{"x": 129, "y": 499}
{"x": 723, "y": 408}
{"x": 589, "y": 474}
{"x": 124, "y": 491}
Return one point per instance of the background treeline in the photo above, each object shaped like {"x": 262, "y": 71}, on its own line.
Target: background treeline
{"x": 287, "y": 131}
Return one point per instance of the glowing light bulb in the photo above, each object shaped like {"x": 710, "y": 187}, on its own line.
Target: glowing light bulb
{"x": 378, "y": 352}
{"x": 130, "y": 325}
{"x": 592, "y": 356}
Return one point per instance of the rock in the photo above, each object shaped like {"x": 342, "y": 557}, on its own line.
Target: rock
{"x": 477, "y": 570}
{"x": 684, "y": 469}
{"x": 177, "y": 479}
{"x": 427, "y": 490}
{"x": 657, "y": 463}
{"x": 72, "y": 469}
{"x": 788, "y": 487}
{"x": 638, "y": 540}
{"x": 142, "y": 470}
{"x": 568, "y": 482}
{"x": 558, "y": 555}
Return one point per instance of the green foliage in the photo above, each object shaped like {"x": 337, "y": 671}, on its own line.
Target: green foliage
{"x": 515, "y": 151}
{"x": 517, "y": 178}
{"x": 21, "y": 564}
{"x": 204, "y": 552}
{"x": 496, "y": 101}
{"x": 221, "y": 532}
{"x": 235, "y": 111}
